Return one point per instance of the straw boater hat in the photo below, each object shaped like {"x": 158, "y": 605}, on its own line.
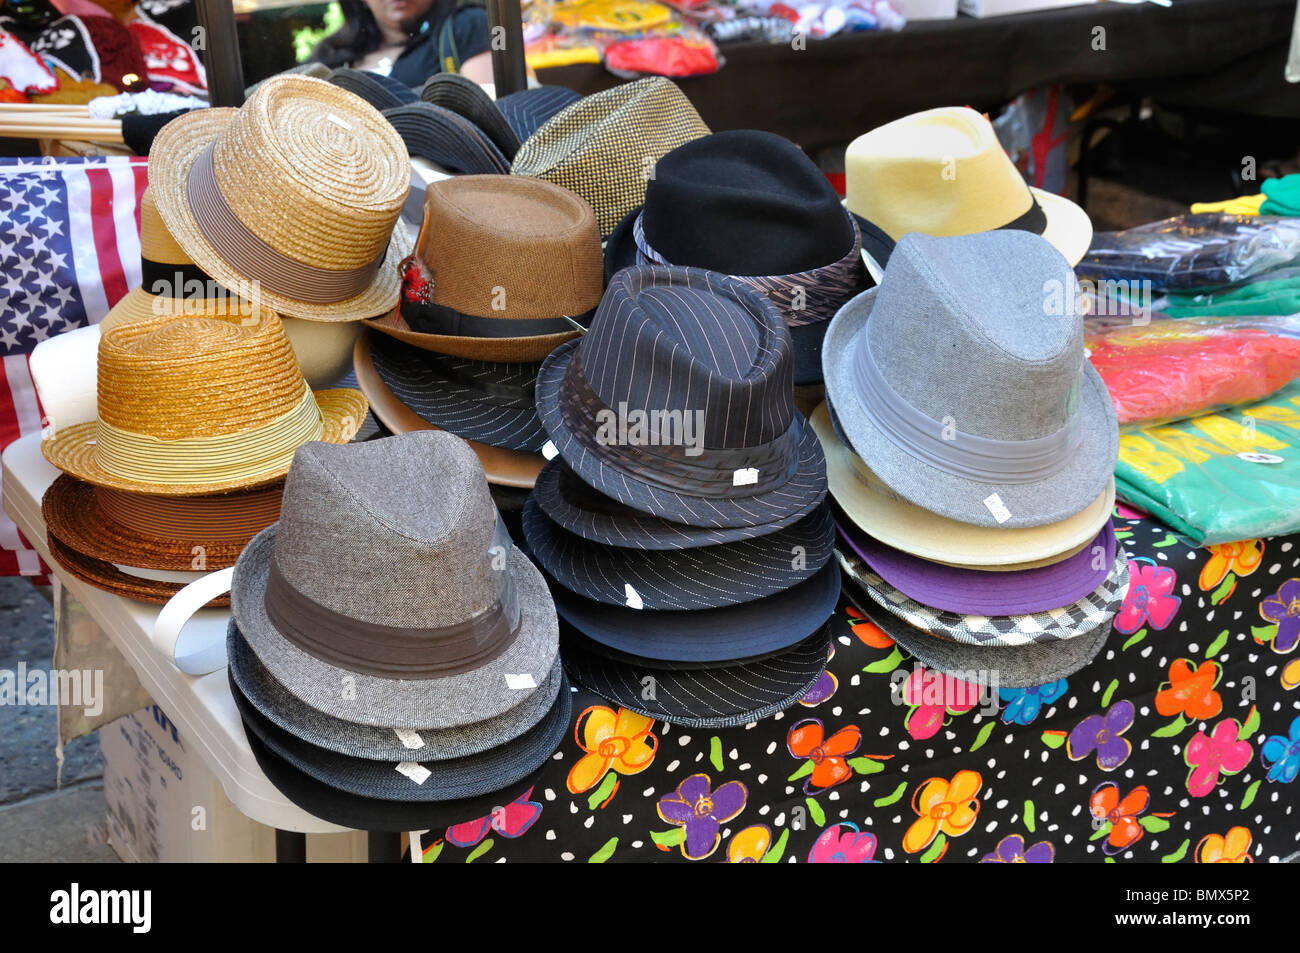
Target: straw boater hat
{"x": 199, "y": 405}
{"x": 300, "y": 190}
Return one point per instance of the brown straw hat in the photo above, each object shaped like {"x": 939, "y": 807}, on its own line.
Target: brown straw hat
{"x": 503, "y": 267}
{"x": 503, "y": 467}
{"x": 186, "y": 533}
{"x": 105, "y": 575}
{"x": 300, "y": 190}
{"x": 198, "y": 405}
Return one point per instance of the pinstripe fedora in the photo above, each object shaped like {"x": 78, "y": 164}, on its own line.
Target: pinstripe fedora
{"x": 679, "y": 402}
{"x": 750, "y": 204}
{"x": 528, "y": 110}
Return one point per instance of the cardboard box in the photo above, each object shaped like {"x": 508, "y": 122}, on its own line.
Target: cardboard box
{"x": 165, "y": 806}
{"x": 998, "y": 8}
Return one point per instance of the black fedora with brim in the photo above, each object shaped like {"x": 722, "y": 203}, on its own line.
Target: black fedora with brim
{"x": 707, "y": 635}
{"x": 382, "y": 92}
{"x": 702, "y": 577}
{"x": 467, "y": 98}
{"x": 719, "y": 697}
{"x": 447, "y": 139}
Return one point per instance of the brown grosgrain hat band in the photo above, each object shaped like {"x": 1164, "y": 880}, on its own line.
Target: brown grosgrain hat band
{"x": 253, "y": 257}
{"x": 226, "y": 518}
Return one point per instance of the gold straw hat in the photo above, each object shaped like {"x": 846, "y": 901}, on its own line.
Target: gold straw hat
{"x": 196, "y": 405}
{"x": 300, "y": 190}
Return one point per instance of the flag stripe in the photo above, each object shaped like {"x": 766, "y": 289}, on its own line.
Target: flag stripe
{"x": 104, "y": 227}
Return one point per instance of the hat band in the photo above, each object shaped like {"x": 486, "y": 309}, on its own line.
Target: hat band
{"x": 710, "y": 473}
{"x": 228, "y": 518}
{"x": 245, "y": 455}
{"x": 388, "y": 651}
{"x": 254, "y": 259}
{"x": 439, "y": 319}
{"x": 942, "y": 446}
{"x": 176, "y": 281}
{"x": 805, "y": 297}
{"x": 1033, "y": 220}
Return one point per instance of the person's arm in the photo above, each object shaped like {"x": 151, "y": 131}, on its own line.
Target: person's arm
{"x": 478, "y": 67}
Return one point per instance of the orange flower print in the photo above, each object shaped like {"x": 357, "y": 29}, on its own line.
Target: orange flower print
{"x": 829, "y": 756}
{"x": 1230, "y": 848}
{"x": 1106, "y": 805}
{"x": 867, "y": 631}
{"x": 749, "y": 846}
{"x": 1191, "y": 691}
{"x": 1242, "y": 558}
{"x": 943, "y": 806}
{"x": 620, "y": 741}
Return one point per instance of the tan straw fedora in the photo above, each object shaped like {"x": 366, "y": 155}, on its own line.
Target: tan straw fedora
{"x": 197, "y": 405}
{"x": 943, "y": 172}
{"x": 300, "y": 191}
{"x": 502, "y": 269}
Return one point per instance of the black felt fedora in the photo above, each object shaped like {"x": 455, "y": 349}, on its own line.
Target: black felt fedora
{"x": 650, "y": 408}
{"x": 750, "y": 204}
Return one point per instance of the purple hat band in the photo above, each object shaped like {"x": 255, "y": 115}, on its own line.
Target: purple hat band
{"x": 984, "y": 592}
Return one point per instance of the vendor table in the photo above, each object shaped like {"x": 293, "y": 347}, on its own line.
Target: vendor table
{"x": 1226, "y": 54}
{"x": 1175, "y": 744}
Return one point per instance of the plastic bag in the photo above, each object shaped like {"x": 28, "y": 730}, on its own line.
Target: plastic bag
{"x": 1274, "y": 292}
{"x": 1170, "y": 369}
{"x": 1193, "y": 251}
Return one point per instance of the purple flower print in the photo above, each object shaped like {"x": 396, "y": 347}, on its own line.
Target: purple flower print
{"x": 702, "y": 812}
{"x": 1011, "y": 850}
{"x": 822, "y": 689}
{"x": 1283, "y": 607}
{"x": 1103, "y": 734}
{"x": 1150, "y": 598}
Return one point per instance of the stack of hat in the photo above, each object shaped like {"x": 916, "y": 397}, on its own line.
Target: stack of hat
{"x": 394, "y": 657}
{"x": 684, "y": 522}
{"x": 970, "y": 448}
{"x": 506, "y": 269}
{"x": 198, "y": 420}
{"x": 752, "y": 205}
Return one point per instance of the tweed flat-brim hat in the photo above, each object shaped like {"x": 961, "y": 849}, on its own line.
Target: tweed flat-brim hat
{"x": 504, "y": 467}
{"x": 1019, "y": 666}
{"x": 591, "y": 515}
{"x": 450, "y": 779}
{"x": 157, "y": 532}
{"x": 887, "y": 516}
{"x": 281, "y": 706}
{"x": 183, "y": 141}
{"x": 702, "y": 577}
{"x": 707, "y": 635}
{"x": 111, "y": 577}
{"x": 722, "y": 697}
{"x": 375, "y": 814}
{"x": 448, "y": 702}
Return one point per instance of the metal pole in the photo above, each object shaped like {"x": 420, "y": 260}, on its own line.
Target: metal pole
{"x": 506, "y": 32}
{"x": 221, "y": 52}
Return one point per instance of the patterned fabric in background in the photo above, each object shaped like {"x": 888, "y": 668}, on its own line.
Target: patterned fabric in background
{"x": 1179, "y": 743}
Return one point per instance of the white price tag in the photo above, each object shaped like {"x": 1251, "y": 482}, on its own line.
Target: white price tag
{"x": 746, "y": 476}
{"x": 416, "y": 772}
{"x": 519, "y": 682}
{"x": 633, "y": 597}
{"x": 408, "y": 738}
{"x": 999, "y": 509}
{"x": 549, "y": 450}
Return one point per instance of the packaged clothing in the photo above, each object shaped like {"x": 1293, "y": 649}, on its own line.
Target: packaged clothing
{"x": 1220, "y": 477}
{"x": 1272, "y": 293}
{"x": 1283, "y": 196}
{"x": 1171, "y": 369}
{"x": 1241, "y": 205}
{"x": 1193, "y": 251}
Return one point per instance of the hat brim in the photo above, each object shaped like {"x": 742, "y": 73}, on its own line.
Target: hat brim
{"x": 374, "y": 814}
{"x": 1021, "y": 666}
{"x": 106, "y": 576}
{"x": 703, "y": 577}
{"x": 182, "y": 140}
{"x": 978, "y": 592}
{"x": 1090, "y": 467}
{"x": 801, "y": 493}
{"x": 723, "y": 697}
{"x": 503, "y": 467}
{"x": 316, "y": 728}
{"x": 448, "y": 702}
{"x": 443, "y": 136}
{"x": 1058, "y": 624}
{"x": 708, "y": 635}
{"x": 451, "y": 779}
{"x": 520, "y": 350}
{"x": 1068, "y": 228}
{"x": 880, "y": 512}
{"x": 72, "y": 450}
{"x": 468, "y": 99}
{"x": 580, "y": 510}
{"x": 72, "y": 512}
{"x": 379, "y": 91}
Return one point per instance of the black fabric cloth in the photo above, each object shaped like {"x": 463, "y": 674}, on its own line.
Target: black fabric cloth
{"x": 139, "y": 131}
{"x": 422, "y": 59}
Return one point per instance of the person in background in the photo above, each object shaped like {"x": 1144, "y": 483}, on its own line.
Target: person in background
{"x": 410, "y": 40}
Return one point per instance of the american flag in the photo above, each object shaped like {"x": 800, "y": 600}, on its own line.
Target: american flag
{"x": 69, "y": 249}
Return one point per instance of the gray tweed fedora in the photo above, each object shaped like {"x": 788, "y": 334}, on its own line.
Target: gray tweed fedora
{"x": 962, "y": 379}
{"x": 389, "y": 594}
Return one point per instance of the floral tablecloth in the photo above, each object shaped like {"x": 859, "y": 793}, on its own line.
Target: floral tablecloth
{"x": 1179, "y": 743}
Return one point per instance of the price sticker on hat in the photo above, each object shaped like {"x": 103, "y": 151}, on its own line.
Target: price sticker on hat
{"x": 633, "y": 597}
{"x": 516, "y": 683}
{"x": 745, "y": 476}
{"x": 994, "y": 504}
{"x": 339, "y": 121}
{"x": 409, "y": 739}
{"x": 549, "y": 450}
{"x": 416, "y": 772}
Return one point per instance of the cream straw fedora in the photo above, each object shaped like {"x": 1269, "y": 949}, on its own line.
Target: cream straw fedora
{"x": 943, "y": 172}
{"x": 300, "y": 190}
